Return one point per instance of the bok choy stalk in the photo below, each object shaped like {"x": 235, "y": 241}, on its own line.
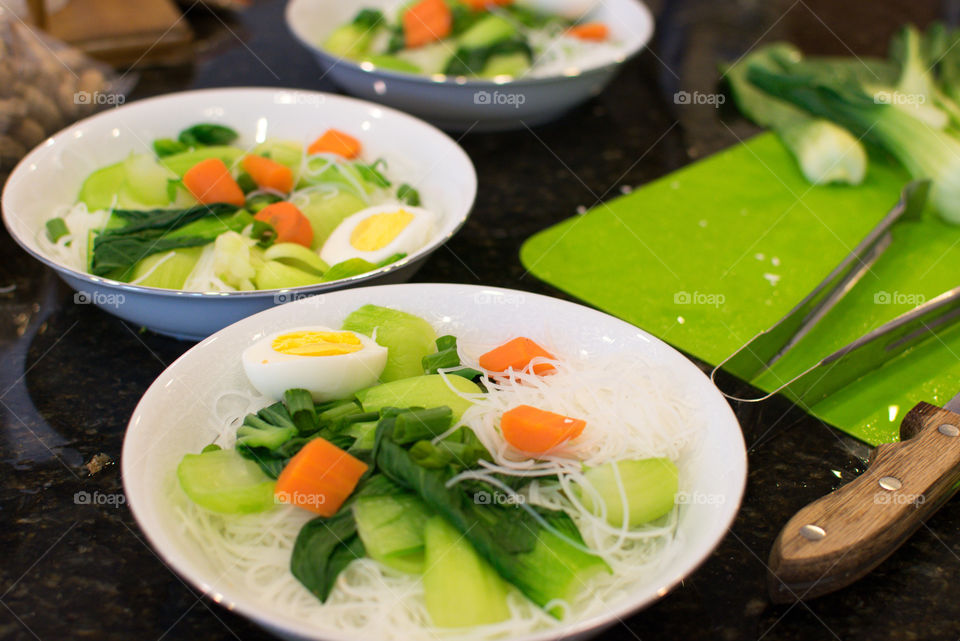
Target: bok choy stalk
{"x": 539, "y": 551}
{"x": 926, "y": 152}
{"x": 826, "y": 152}
{"x": 916, "y": 91}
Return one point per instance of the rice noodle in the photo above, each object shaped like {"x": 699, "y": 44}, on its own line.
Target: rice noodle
{"x": 71, "y": 248}
{"x": 634, "y": 409}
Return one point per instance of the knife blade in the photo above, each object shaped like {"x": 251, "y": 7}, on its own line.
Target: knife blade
{"x": 840, "y": 537}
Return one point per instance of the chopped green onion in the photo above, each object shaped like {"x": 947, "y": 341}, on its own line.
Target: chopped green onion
{"x": 409, "y": 195}
{"x": 56, "y": 229}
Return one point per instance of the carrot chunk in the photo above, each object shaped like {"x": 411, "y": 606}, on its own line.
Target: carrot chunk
{"x": 210, "y": 182}
{"x": 537, "y": 431}
{"x": 590, "y": 31}
{"x": 425, "y": 22}
{"x": 334, "y": 141}
{"x": 289, "y": 223}
{"x": 319, "y": 478}
{"x": 268, "y": 174}
{"x": 516, "y": 354}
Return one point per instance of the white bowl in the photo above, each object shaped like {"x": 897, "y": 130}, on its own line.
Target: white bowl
{"x": 174, "y": 418}
{"x": 50, "y": 176}
{"x": 457, "y": 103}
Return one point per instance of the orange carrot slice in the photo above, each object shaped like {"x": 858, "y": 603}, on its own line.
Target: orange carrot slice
{"x": 425, "y": 22}
{"x": 336, "y": 142}
{"x": 210, "y": 182}
{"x": 268, "y": 174}
{"x": 516, "y": 354}
{"x": 590, "y": 31}
{"x": 289, "y": 223}
{"x": 537, "y": 431}
{"x": 319, "y": 478}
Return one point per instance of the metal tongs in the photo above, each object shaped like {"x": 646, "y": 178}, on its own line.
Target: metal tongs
{"x": 862, "y": 355}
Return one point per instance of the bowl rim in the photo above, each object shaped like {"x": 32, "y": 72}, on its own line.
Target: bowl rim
{"x": 592, "y": 625}
{"x": 19, "y": 171}
{"x": 442, "y": 79}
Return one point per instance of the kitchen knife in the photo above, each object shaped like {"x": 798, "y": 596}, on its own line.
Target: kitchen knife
{"x": 839, "y": 538}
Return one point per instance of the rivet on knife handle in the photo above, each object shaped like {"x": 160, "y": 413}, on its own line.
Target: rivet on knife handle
{"x": 837, "y": 539}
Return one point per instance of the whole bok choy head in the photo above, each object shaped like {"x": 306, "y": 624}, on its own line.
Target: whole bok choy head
{"x": 842, "y": 95}
{"x": 826, "y": 152}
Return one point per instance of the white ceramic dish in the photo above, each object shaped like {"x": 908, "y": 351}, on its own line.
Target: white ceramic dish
{"x": 50, "y": 176}
{"x": 174, "y": 418}
{"x": 457, "y": 103}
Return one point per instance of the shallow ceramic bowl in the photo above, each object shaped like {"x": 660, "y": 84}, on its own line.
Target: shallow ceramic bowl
{"x": 458, "y": 103}
{"x": 50, "y": 177}
{"x": 174, "y": 418}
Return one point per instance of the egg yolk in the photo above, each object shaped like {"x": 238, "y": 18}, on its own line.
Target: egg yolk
{"x": 377, "y": 230}
{"x": 309, "y": 343}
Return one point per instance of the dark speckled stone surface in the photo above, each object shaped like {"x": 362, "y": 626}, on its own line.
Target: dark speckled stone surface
{"x": 70, "y": 375}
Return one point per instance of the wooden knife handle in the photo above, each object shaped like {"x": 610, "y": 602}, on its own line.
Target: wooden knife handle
{"x": 837, "y": 539}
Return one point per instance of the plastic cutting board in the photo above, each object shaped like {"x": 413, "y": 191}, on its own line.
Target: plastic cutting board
{"x": 709, "y": 255}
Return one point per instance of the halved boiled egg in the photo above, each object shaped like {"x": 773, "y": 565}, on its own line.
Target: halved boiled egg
{"x": 329, "y": 363}
{"x": 377, "y": 233}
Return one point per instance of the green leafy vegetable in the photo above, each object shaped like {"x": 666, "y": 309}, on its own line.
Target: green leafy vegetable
{"x": 447, "y": 357}
{"x": 409, "y": 195}
{"x": 324, "y": 547}
{"x": 117, "y": 250}
{"x": 545, "y": 563}
{"x": 168, "y": 146}
{"x": 469, "y": 61}
{"x": 246, "y": 183}
{"x": 368, "y": 18}
{"x": 413, "y": 424}
{"x": 207, "y": 135}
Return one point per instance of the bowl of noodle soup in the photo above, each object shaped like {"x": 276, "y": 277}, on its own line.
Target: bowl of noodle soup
{"x": 242, "y": 561}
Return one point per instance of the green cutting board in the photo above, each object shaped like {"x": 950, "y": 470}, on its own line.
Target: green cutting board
{"x": 709, "y": 255}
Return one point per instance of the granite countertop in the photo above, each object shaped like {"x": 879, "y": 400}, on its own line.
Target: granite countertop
{"x": 70, "y": 375}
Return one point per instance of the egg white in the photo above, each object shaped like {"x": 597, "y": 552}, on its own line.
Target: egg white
{"x": 325, "y": 377}
{"x": 411, "y": 238}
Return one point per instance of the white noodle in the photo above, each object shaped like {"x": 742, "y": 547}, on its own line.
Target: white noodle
{"x": 633, "y": 409}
